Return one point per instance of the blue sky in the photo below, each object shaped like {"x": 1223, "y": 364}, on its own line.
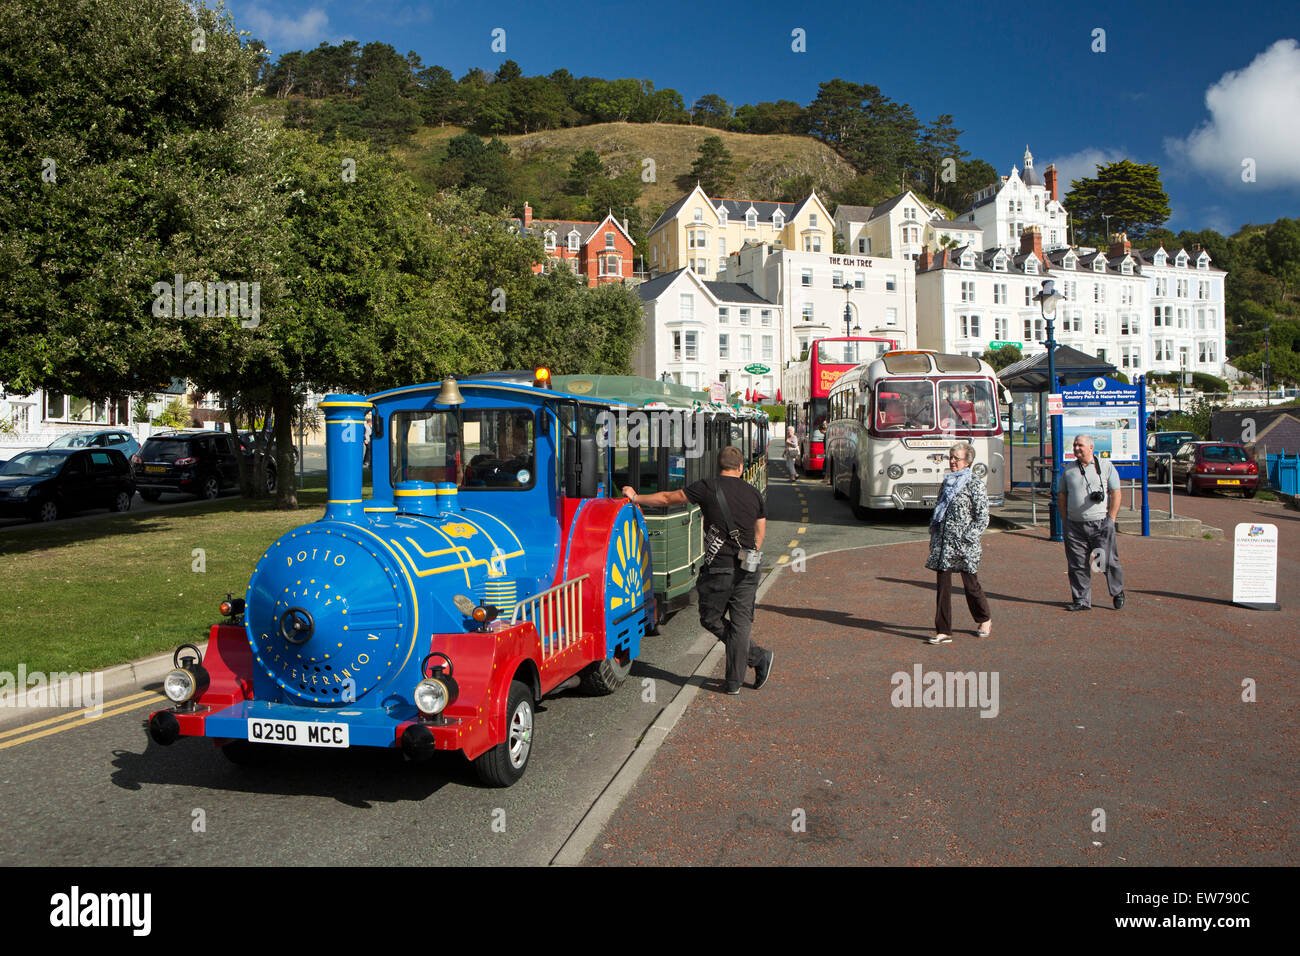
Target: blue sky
{"x": 1195, "y": 87}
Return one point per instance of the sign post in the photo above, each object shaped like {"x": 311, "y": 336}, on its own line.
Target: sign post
{"x": 1114, "y": 414}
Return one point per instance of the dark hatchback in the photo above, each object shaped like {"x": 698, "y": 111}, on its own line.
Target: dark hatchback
{"x": 49, "y": 482}
{"x": 188, "y": 463}
{"x": 1167, "y": 443}
{"x": 1216, "y": 466}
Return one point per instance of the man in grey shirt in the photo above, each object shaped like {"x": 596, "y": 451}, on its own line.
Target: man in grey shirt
{"x": 1088, "y": 499}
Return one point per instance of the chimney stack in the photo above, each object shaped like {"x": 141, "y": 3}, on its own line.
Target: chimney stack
{"x": 1049, "y": 177}
{"x": 1031, "y": 240}
{"x": 1119, "y": 246}
{"x": 625, "y": 228}
{"x": 924, "y": 260}
{"x": 528, "y": 215}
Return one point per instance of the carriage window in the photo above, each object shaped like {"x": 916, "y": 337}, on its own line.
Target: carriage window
{"x": 967, "y": 404}
{"x": 903, "y": 405}
{"x": 486, "y": 449}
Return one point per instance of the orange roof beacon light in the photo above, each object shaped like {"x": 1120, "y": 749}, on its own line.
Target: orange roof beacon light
{"x": 542, "y": 377}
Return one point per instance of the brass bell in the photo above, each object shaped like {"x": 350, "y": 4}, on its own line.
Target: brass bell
{"x": 449, "y": 394}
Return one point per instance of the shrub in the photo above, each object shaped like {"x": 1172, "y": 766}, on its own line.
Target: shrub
{"x": 175, "y": 415}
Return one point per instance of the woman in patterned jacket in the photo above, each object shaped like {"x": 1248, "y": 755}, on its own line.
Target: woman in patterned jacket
{"x": 960, "y": 516}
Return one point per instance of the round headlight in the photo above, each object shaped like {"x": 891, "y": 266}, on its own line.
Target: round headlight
{"x": 904, "y": 491}
{"x": 179, "y": 686}
{"x": 895, "y": 471}
{"x": 980, "y": 469}
{"x": 431, "y": 696}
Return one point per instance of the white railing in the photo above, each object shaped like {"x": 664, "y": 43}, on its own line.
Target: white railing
{"x": 557, "y": 615}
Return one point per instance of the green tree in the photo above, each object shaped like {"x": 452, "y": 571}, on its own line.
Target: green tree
{"x": 1282, "y": 243}
{"x": 585, "y": 169}
{"x": 939, "y": 149}
{"x": 1129, "y": 193}
{"x": 711, "y": 110}
{"x": 1000, "y": 358}
{"x": 712, "y": 168}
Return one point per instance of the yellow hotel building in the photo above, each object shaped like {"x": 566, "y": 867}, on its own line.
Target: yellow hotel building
{"x": 698, "y": 233}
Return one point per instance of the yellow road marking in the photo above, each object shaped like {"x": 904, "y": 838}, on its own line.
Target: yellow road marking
{"x": 76, "y": 713}
{"x": 783, "y": 559}
{"x": 154, "y": 699}
{"x": 793, "y": 544}
{"x": 800, "y": 530}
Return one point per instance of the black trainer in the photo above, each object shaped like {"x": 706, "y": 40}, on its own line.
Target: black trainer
{"x": 1119, "y": 600}
{"x": 763, "y": 671}
{"x": 1076, "y": 606}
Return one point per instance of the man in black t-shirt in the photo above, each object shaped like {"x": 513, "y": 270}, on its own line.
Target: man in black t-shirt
{"x": 726, "y": 590}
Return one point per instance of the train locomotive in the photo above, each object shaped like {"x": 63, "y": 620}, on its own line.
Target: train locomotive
{"x": 489, "y": 566}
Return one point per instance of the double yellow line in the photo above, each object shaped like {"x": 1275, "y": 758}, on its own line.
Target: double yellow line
{"x": 54, "y": 725}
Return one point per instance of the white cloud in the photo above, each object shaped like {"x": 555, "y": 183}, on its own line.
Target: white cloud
{"x": 1253, "y": 115}
{"x": 284, "y": 33}
{"x": 1083, "y": 165}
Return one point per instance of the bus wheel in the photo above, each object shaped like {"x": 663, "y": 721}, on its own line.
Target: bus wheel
{"x": 835, "y": 489}
{"x": 505, "y": 763}
{"x": 605, "y": 677}
{"x": 855, "y": 500}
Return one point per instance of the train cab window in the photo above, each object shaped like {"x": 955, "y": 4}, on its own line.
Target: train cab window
{"x": 484, "y": 449}
{"x": 967, "y": 404}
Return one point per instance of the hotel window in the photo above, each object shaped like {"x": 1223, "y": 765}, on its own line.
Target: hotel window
{"x": 1035, "y": 204}
{"x": 609, "y": 240}
{"x": 1126, "y": 268}
{"x": 891, "y": 282}
{"x": 1203, "y": 262}
{"x": 686, "y": 307}
{"x": 970, "y": 326}
{"x": 722, "y": 246}
{"x": 1200, "y": 319}
{"x": 724, "y": 315}
{"x": 1182, "y": 261}
{"x": 692, "y": 343}
{"x": 806, "y": 278}
{"x": 837, "y": 279}
{"x": 1000, "y": 293}
{"x": 1123, "y": 325}
{"x": 803, "y": 346}
{"x": 1184, "y": 355}
{"x": 1001, "y": 327}
{"x": 1000, "y": 264}
{"x": 891, "y": 316}
{"x": 1214, "y": 322}
{"x": 807, "y": 311}
{"x": 767, "y": 347}
{"x": 1183, "y": 319}
{"x": 1182, "y": 288}
{"x": 1098, "y": 323}
{"x": 1029, "y": 295}
{"x": 812, "y": 243}
{"x": 862, "y": 247}
{"x": 1202, "y": 290}
{"x": 746, "y": 350}
{"x": 1200, "y": 356}
{"x": 702, "y": 266}
{"x": 968, "y": 291}
{"x": 1162, "y": 288}
{"x": 765, "y": 317}
{"x": 724, "y": 346}
{"x": 1135, "y": 324}
{"x": 1031, "y": 266}
{"x": 744, "y": 316}
{"x": 859, "y": 280}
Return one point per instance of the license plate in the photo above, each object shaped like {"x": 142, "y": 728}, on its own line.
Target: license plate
{"x": 156, "y": 469}
{"x": 1229, "y": 481}
{"x": 299, "y": 733}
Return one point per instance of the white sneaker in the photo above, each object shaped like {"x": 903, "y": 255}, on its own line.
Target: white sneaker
{"x": 940, "y": 639}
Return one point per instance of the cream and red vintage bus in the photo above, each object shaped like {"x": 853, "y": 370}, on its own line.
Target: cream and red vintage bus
{"x": 892, "y": 421}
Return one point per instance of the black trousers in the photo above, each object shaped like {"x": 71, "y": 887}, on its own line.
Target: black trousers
{"x": 727, "y": 611}
{"x": 975, "y": 600}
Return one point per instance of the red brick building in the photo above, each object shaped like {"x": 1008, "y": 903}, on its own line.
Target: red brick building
{"x": 598, "y": 251}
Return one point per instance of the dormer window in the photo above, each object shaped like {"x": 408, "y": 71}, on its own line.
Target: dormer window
{"x": 1203, "y": 261}
{"x": 968, "y": 260}
{"x": 751, "y": 219}
{"x": 778, "y": 220}
{"x": 550, "y": 240}
{"x": 722, "y": 215}
{"x": 1000, "y": 263}
{"x": 1069, "y": 261}
{"x": 1126, "y": 267}
{"x": 1031, "y": 266}
{"x": 1099, "y": 264}
{"x": 1161, "y": 259}
{"x": 1182, "y": 260}
{"x": 573, "y": 241}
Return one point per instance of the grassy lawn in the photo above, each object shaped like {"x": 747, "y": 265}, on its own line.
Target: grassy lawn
{"x": 86, "y": 595}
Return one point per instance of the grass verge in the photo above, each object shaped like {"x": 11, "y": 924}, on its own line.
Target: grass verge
{"x": 90, "y": 594}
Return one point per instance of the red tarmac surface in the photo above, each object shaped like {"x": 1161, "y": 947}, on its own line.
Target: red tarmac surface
{"x": 1136, "y": 714}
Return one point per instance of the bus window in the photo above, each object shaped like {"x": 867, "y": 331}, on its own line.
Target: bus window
{"x": 968, "y": 404}
{"x": 905, "y": 405}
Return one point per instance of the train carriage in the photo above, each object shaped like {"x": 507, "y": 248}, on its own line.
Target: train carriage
{"x": 490, "y": 565}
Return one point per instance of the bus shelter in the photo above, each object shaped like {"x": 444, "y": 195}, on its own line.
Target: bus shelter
{"x": 1027, "y": 382}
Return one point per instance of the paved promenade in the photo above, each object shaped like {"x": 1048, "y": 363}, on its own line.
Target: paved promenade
{"x": 1120, "y": 737}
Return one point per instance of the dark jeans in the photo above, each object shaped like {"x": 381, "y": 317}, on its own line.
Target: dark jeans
{"x": 975, "y": 600}
{"x": 727, "y": 611}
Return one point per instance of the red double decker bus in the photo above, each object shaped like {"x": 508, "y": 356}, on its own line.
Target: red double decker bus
{"x": 805, "y": 385}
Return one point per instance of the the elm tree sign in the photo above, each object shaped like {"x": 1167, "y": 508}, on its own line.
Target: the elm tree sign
{"x": 757, "y": 369}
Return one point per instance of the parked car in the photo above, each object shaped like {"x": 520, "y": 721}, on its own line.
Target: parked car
{"x": 118, "y": 438}
{"x": 200, "y": 463}
{"x": 1215, "y": 466}
{"x": 248, "y": 445}
{"x": 49, "y": 482}
{"x": 1167, "y": 442}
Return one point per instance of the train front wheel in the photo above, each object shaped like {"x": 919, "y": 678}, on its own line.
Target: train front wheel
{"x": 505, "y": 763}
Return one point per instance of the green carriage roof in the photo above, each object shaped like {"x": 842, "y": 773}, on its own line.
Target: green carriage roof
{"x": 629, "y": 389}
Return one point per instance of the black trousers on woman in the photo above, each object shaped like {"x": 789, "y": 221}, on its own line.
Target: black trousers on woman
{"x": 975, "y": 600}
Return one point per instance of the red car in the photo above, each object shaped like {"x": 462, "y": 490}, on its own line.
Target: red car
{"x": 1215, "y": 466}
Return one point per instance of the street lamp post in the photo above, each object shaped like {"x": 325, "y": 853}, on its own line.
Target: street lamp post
{"x": 1047, "y": 300}
{"x": 848, "y": 320}
{"x": 1268, "y": 394}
